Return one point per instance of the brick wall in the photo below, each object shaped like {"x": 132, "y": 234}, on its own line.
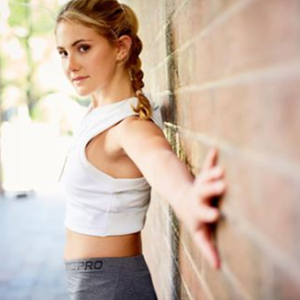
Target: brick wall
{"x": 227, "y": 74}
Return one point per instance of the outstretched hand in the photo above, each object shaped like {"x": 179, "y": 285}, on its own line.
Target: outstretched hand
{"x": 198, "y": 212}
{"x": 191, "y": 198}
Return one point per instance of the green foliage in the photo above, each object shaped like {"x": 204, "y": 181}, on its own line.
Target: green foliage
{"x": 84, "y": 101}
{"x": 18, "y": 13}
{"x": 37, "y": 114}
{"x": 43, "y": 21}
{"x": 34, "y": 17}
{"x": 28, "y": 19}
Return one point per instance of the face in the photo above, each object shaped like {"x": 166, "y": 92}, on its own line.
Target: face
{"x": 88, "y": 59}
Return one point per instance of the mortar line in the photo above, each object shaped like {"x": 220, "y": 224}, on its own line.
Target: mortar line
{"x": 282, "y": 71}
{"x": 221, "y": 19}
{"x": 203, "y": 283}
{"x": 272, "y": 162}
{"x": 229, "y": 275}
{"x": 186, "y": 288}
{"x": 229, "y": 13}
{"x": 266, "y": 246}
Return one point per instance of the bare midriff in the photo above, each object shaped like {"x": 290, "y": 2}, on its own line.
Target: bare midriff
{"x": 86, "y": 246}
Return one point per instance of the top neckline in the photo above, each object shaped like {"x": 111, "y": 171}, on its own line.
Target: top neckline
{"x": 109, "y": 105}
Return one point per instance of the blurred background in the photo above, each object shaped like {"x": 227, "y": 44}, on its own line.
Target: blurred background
{"x": 38, "y": 110}
{"x": 38, "y": 107}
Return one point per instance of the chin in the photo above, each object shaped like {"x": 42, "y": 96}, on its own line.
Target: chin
{"x": 82, "y": 92}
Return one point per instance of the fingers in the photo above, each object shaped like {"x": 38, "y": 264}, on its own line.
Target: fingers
{"x": 211, "y": 174}
{"x": 208, "y": 184}
{"x": 208, "y": 249}
{"x": 208, "y": 214}
{"x": 212, "y": 189}
{"x": 210, "y": 159}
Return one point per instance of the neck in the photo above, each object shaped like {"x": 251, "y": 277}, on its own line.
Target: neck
{"x": 119, "y": 88}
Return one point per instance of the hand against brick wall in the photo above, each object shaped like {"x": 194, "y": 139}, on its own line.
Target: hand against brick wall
{"x": 189, "y": 197}
{"x": 198, "y": 212}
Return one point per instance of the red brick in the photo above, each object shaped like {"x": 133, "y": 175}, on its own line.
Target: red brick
{"x": 269, "y": 203}
{"x": 157, "y": 80}
{"x": 261, "y": 116}
{"x": 259, "y": 36}
{"x": 243, "y": 258}
{"x": 152, "y": 36}
{"x": 189, "y": 20}
{"x": 190, "y": 278}
{"x": 281, "y": 109}
{"x": 184, "y": 293}
{"x": 155, "y": 53}
{"x": 195, "y": 63}
{"x": 196, "y": 150}
{"x": 262, "y": 34}
{"x": 219, "y": 7}
{"x": 227, "y": 94}
{"x": 196, "y": 111}
{"x": 220, "y": 287}
{"x": 157, "y": 254}
{"x": 145, "y": 13}
{"x": 168, "y": 107}
{"x": 284, "y": 287}
{"x": 244, "y": 263}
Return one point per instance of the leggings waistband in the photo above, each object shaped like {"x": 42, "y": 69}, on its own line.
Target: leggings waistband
{"x": 105, "y": 263}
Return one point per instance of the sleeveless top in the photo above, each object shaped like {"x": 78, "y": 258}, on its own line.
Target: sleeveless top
{"x": 98, "y": 204}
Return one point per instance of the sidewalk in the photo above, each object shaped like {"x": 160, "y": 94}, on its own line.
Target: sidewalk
{"x": 31, "y": 247}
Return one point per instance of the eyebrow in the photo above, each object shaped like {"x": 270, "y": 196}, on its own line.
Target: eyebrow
{"x": 75, "y": 43}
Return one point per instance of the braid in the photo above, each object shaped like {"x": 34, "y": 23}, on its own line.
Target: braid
{"x": 134, "y": 64}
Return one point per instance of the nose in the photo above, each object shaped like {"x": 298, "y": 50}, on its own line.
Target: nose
{"x": 71, "y": 64}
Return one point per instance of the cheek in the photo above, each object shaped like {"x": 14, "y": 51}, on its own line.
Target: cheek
{"x": 104, "y": 60}
{"x": 64, "y": 67}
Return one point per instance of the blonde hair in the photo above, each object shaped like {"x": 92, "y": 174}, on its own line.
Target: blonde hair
{"x": 113, "y": 20}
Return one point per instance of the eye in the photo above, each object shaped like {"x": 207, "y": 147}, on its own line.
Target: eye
{"x": 83, "y": 48}
{"x": 63, "y": 53}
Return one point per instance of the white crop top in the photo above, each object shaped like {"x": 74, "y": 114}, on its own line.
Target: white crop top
{"x": 98, "y": 204}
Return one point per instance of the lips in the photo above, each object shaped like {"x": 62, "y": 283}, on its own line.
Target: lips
{"x": 78, "y": 79}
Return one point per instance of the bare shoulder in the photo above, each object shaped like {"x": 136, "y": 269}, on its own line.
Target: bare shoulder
{"x": 132, "y": 126}
{"x": 136, "y": 136}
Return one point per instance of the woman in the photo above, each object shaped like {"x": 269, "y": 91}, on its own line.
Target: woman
{"x": 120, "y": 151}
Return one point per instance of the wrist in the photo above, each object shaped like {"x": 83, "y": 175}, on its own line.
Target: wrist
{"x": 179, "y": 201}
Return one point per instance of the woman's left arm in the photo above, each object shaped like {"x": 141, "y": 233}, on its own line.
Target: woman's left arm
{"x": 190, "y": 197}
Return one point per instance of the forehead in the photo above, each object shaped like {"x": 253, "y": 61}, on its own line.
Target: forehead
{"x": 68, "y": 32}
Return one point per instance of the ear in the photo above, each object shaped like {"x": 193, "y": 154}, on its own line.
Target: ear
{"x": 123, "y": 47}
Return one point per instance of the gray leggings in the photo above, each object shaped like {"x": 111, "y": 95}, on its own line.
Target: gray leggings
{"x": 116, "y": 278}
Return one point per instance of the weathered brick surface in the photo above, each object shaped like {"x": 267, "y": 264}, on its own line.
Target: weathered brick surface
{"x": 191, "y": 284}
{"x": 226, "y": 74}
{"x": 158, "y": 248}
